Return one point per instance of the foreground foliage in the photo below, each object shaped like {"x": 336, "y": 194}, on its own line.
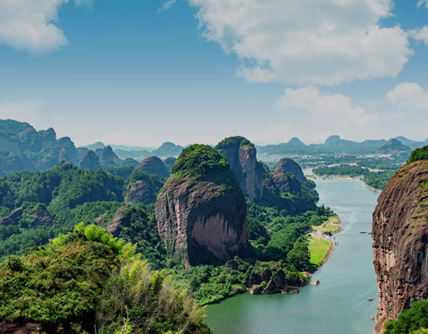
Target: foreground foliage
{"x": 413, "y": 320}
{"x": 88, "y": 279}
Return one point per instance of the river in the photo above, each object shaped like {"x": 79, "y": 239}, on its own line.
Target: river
{"x": 340, "y": 303}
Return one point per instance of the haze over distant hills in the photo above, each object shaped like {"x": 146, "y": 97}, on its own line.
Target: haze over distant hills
{"x": 335, "y": 144}
{"x": 23, "y": 147}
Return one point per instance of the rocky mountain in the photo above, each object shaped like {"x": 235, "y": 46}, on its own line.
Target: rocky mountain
{"x": 394, "y": 146}
{"x": 335, "y": 144}
{"x": 23, "y": 147}
{"x": 400, "y": 241}
{"x": 153, "y": 165}
{"x": 201, "y": 210}
{"x": 142, "y": 188}
{"x": 90, "y": 160}
{"x": 241, "y": 154}
{"x": 288, "y": 165}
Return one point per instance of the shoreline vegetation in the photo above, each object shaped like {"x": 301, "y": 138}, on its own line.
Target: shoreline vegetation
{"x": 374, "y": 179}
{"x": 339, "y": 177}
{"x": 321, "y": 245}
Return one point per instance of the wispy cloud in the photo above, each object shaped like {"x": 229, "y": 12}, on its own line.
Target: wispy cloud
{"x": 420, "y": 34}
{"x": 306, "y": 42}
{"x": 86, "y": 3}
{"x": 408, "y": 96}
{"x": 326, "y": 109}
{"x": 167, "y": 5}
{"x": 423, "y": 3}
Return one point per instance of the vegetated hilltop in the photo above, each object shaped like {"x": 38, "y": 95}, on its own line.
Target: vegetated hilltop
{"x": 201, "y": 210}
{"x": 89, "y": 282}
{"x": 400, "y": 242}
{"x": 394, "y": 147}
{"x": 153, "y": 165}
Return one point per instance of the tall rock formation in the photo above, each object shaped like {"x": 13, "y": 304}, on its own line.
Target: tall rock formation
{"x": 288, "y": 165}
{"x": 400, "y": 241}
{"x": 201, "y": 211}
{"x": 153, "y": 165}
{"x": 90, "y": 160}
{"x": 241, "y": 154}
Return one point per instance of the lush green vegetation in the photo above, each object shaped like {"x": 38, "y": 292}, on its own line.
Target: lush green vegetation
{"x": 419, "y": 154}
{"x": 233, "y": 141}
{"x": 53, "y": 202}
{"x": 88, "y": 280}
{"x": 413, "y": 320}
{"x": 44, "y": 204}
{"x": 280, "y": 243}
{"x": 378, "y": 180}
{"x": 341, "y": 170}
{"x": 204, "y": 162}
{"x": 318, "y": 248}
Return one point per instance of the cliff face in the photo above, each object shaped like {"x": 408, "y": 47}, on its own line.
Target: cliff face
{"x": 288, "y": 165}
{"x": 201, "y": 211}
{"x": 199, "y": 223}
{"x": 243, "y": 161}
{"x": 400, "y": 241}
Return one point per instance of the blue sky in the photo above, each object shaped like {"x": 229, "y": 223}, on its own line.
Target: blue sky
{"x": 141, "y": 72}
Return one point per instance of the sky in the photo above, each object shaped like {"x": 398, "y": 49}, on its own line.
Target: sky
{"x": 142, "y": 72}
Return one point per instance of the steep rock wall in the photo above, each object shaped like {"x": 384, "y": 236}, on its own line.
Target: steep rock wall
{"x": 400, "y": 241}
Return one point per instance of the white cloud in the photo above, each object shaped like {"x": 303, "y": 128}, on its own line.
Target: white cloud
{"x": 87, "y": 3}
{"x": 409, "y": 96}
{"x": 30, "y": 25}
{"x": 306, "y": 42}
{"x": 334, "y": 110}
{"x": 167, "y": 5}
{"x": 421, "y": 34}
{"x": 423, "y": 3}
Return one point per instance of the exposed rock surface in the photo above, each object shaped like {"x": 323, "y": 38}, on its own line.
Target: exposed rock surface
{"x": 120, "y": 218}
{"x": 288, "y": 165}
{"x": 153, "y": 165}
{"x": 282, "y": 183}
{"x": 276, "y": 283}
{"x": 241, "y": 154}
{"x": 24, "y": 328}
{"x": 256, "y": 289}
{"x": 143, "y": 191}
{"x": 201, "y": 212}
{"x": 400, "y": 241}
{"x": 36, "y": 218}
{"x": 90, "y": 160}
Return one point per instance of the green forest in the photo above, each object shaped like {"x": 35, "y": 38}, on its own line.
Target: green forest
{"x": 43, "y": 234}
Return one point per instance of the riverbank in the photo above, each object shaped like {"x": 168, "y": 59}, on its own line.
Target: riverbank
{"x": 347, "y": 280}
{"x": 321, "y": 246}
{"x": 340, "y": 177}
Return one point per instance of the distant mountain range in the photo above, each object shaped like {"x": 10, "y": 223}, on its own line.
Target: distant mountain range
{"x": 167, "y": 149}
{"x": 23, "y": 147}
{"x": 335, "y": 144}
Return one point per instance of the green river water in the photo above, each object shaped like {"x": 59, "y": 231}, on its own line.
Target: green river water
{"x": 339, "y": 304}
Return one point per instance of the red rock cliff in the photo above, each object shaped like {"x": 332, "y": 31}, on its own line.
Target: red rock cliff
{"x": 400, "y": 242}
